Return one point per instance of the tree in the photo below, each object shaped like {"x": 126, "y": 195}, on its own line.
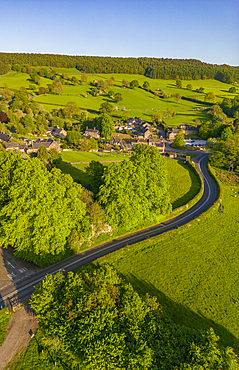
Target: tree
{"x": 135, "y": 190}
{"x": 156, "y": 119}
{"x": 57, "y": 86}
{"x": 232, "y": 90}
{"x": 94, "y": 91}
{"x": 43, "y": 154}
{"x": 146, "y": 85}
{"x": 118, "y": 97}
{"x": 88, "y": 144}
{"x": 39, "y": 211}
{"x": 101, "y": 85}
{"x": 74, "y": 80}
{"x": 55, "y": 156}
{"x": 42, "y": 90}
{"x": 209, "y": 97}
{"x": 226, "y": 134}
{"x": 96, "y": 314}
{"x": 111, "y": 94}
{"x": 57, "y": 121}
{"x": 73, "y": 137}
{"x": 110, "y": 81}
{"x": 84, "y": 78}
{"x": 217, "y": 159}
{"x": 179, "y": 140}
{"x": 134, "y": 84}
{"x": 106, "y": 108}
{"x": 70, "y": 109}
{"x": 41, "y": 124}
{"x": 105, "y": 125}
{"x": 189, "y": 86}
{"x": 201, "y": 90}
{"x": 177, "y": 97}
{"x": 3, "y": 117}
{"x": 125, "y": 83}
{"x": 179, "y": 84}
{"x": 96, "y": 170}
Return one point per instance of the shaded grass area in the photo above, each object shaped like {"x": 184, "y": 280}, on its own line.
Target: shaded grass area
{"x": 183, "y": 183}
{"x": 193, "y": 271}
{"x": 4, "y": 319}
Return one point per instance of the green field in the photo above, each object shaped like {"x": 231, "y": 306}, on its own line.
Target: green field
{"x": 193, "y": 271}
{"x": 4, "y": 319}
{"x": 138, "y": 103}
{"x": 76, "y": 156}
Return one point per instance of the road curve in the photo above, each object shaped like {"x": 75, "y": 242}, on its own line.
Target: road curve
{"x": 20, "y": 291}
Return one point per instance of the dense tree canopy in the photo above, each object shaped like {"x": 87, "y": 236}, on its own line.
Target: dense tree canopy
{"x": 105, "y": 125}
{"x": 179, "y": 140}
{"x": 97, "y": 321}
{"x": 39, "y": 209}
{"x": 164, "y": 68}
{"x": 136, "y": 190}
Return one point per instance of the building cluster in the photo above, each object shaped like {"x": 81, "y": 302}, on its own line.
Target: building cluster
{"x": 187, "y": 130}
{"x": 91, "y": 133}
{"x": 30, "y": 146}
{"x": 137, "y": 126}
{"x": 127, "y": 143}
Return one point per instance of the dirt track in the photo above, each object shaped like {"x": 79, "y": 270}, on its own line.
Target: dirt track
{"x": 18, "y": 337}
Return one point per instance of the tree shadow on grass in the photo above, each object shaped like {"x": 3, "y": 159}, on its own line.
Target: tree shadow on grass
{"x": 192, "y": 191}
{"x": 77, "y": 174}
{"x": 182, "y": 315}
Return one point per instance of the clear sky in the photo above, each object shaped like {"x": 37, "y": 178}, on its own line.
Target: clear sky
{"x": 207, "y": 30}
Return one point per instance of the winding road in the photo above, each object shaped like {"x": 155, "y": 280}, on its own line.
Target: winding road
{"x": 20, "y": 291}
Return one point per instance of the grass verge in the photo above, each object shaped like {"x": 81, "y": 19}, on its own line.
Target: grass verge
{"x": 193, "y": 271}
{"x": 4, "y": 319}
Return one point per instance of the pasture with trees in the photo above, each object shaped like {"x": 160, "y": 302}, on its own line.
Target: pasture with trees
{"x": 47, "y": 216}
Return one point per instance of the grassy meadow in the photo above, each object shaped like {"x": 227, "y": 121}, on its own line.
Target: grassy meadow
{"x": 4, "y": 319}
{"x": 76, "y": 156}
{"x": 137, "y": 102}
{"x": 193, "y": 271}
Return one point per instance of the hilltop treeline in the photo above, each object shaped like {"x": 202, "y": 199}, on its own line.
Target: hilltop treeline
{"x": 186, "y": 69}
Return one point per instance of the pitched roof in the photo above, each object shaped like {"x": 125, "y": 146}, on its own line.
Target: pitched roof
{"x": 4, "y": 137}
{"x": 11, "y": 146}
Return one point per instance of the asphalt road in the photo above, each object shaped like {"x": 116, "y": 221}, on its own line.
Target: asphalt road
{"x": 20, "y": 291}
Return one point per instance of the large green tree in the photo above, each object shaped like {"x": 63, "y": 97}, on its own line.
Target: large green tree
{"x": 106, "y": 108}
{"x": 97, "y": 321}
{"x": 105, "y": 125}
{"x": 134, "y": 84}
{"x": 39, "y": 210}
{"x": 73, "y": 137}
{"x": 136, "y": 190}
{"x": 179, "y": 140}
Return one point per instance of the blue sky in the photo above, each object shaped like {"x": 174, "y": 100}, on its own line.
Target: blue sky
{"x": 207, "y": 30}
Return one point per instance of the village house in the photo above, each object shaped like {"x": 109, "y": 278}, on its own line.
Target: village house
{"x": 11, "y": 146}
{"x": 89, "y": 133}
{"x": 55, "y": 131}
{"x": 4, "y": 137}
{"x": 187, "y": 130}
{"x": 49, "y": 144}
